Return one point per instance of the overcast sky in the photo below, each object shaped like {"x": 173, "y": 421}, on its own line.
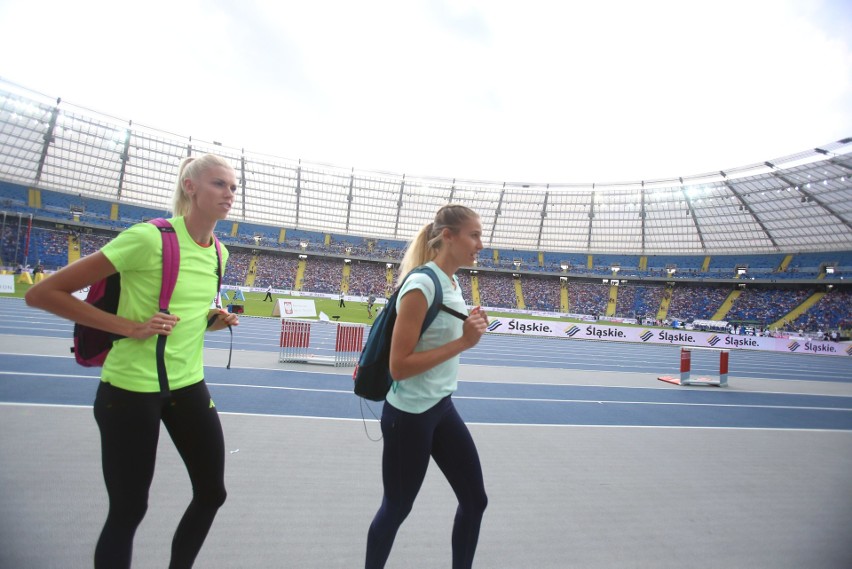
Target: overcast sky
{"x": 538, "y": 91}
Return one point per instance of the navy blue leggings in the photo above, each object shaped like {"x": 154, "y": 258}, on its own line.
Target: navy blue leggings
{"x": 409, "y": 441}
{"x": 129, "y": 423}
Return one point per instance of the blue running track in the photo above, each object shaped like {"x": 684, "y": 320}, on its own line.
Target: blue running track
{"x": 33, "y": 378}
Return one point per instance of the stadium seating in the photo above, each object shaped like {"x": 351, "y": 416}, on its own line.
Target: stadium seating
{"x": 48, "y": 244}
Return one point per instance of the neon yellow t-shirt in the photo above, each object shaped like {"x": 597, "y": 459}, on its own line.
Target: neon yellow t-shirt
{"x": 137, "y": 254}
{"x": 421, "y": 392}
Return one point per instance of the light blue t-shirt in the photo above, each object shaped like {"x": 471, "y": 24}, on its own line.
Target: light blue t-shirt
{"x": 421, "y": 392}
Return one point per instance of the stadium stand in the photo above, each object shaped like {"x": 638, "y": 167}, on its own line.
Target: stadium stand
{"x": 541, "y": 293}
{"x": 54, "y": 223}
{"x": 366, "y": 278}
{"x": 277, "y": 271}
{"x": 696, "y": 301}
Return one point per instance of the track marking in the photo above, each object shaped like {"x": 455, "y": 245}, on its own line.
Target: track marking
{"x": 478, "y": 424}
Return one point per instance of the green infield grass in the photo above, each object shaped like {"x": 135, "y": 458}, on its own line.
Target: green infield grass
{"x": 354, "y": 312}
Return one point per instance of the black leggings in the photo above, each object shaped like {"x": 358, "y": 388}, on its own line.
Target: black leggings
{"x": 409, "y": 441}
{"x": 129, "y": 423}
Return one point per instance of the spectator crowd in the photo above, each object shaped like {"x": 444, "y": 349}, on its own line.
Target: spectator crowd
{"x": 277, "y": 265}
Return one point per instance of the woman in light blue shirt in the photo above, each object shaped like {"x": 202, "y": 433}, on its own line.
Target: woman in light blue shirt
{"x": 419, "y": 420}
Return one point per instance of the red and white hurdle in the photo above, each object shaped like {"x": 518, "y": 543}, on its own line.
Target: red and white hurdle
{"x": 686, "y": 368}
{"x": 320, "y": 342}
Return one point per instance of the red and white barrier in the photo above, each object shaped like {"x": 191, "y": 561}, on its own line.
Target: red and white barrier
{"x": 686, "y": 369}
{"x": 348, "y": 344}
{"x": 320, "y": 342}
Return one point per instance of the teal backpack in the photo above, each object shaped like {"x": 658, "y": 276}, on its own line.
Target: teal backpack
{"x": 372, "y": 376}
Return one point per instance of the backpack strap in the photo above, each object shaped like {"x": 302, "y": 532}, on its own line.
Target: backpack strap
{"x": 217, "y": 299}
{"x": 452, "y": 312}
{"x": 171, "y": 266}
{"x": 171, "y": 261}
{"x": 438, "y": 302}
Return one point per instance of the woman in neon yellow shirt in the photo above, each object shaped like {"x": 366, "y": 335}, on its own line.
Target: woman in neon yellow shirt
{"x": 128, "y": 405}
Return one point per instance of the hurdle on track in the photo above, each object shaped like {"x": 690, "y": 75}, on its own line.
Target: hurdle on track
{"x": 686, "y": 367}
{"x": 320, "y": 342}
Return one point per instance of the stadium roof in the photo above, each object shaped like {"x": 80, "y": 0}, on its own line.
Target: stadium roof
{"x": 790, "y": 204}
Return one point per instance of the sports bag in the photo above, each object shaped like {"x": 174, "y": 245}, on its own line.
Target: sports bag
{"x": 372, "y": 378}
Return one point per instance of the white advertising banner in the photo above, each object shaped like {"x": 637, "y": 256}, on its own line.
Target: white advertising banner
{"x": 295, "y": 308}
{"x": 7, "y": 284}
{"x": 588, "y": 331}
